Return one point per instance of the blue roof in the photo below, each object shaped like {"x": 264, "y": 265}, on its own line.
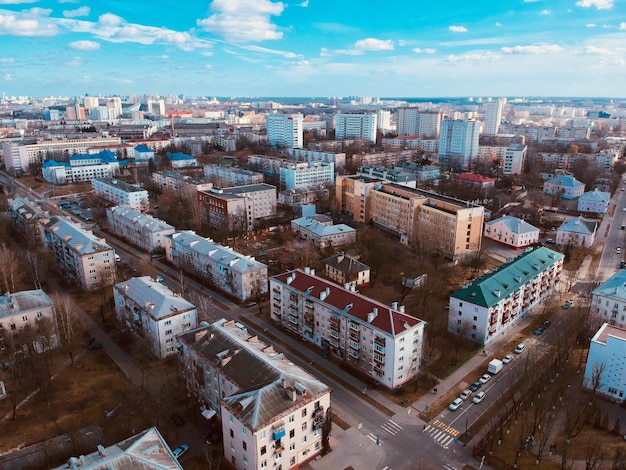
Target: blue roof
{"x": 179, "y": 156}
{"x": 143, "y": 148}
{"x": 565, "y": 180}
{"x": 579, "y": 225}
{"x": 53, "y": 163}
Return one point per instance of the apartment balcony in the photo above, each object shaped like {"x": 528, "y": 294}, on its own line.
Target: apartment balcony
{"x": 379, "y": 341}
{"x": 278, "y": 431}
{"x": 276, "y": 290}
{"x": 334, "y": 334}
{"x": 354, "y": 337}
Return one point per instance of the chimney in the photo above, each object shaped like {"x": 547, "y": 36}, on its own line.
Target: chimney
{"x": 312, "y": 272}
{"x": 394, "y": 305}
{"x": 307, "y": 270}
{"x": 401, "y": 308}
{"x": 372, "y": 315}
{"x": 101, "y": 451}
{"x": 346, "y": 285}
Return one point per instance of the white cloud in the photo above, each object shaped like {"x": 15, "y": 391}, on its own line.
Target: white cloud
{"x": 7, "y": 77}
{"x": 426, "y": 50}
{"x": 372, "y": 44}
{"x": 590, "y": 25}
{"x": 622, "y": 26}
{"x": 304, "y": 4}
{"x": 497, "y": 24}
{"x": 207, "y": 53}
{"x": 285, "y": 54}
{"x": 593, "y": 50}
{"x": 530, "y": 1}
{"x": 109, "y": 19}
{"x": 533, "y": 50}
{"x": 154, "y": 57}
{"x": 545, "y": 12}
{"x": 243, "y": 20}
{"x": 32, "y": 22}
{"x": 16, "y": 2}
{"x": 474, "y": 57}
{"x": 458, "y": 29}
{"x": 75, "y": 62}
{"x": 599, "y": 4}
{"x": 84, "y": 45}
{"x": 6, "y": 60}
{"x": 82, "y": 11}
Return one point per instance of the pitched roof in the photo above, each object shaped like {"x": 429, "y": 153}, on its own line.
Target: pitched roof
{"x": 564, "y": 180}
{"x": 156, "y": 298}
{"x": 491, "y": 288}
{"x": 145, "y": 221}
{"x": 386, "y": 319}
{"x": 345, "y": 264}
{"x": 595, "y": 196}
{"x": 514, "y": 224}
{"x": 579, "y": 225}
{"x": 83, "y": 241}
{"x": 614, "y": 287}
{"x": 321, "y": 229}
{"x": 13, "y": 304}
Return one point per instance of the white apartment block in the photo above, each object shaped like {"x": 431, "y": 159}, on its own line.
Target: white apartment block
{"x": 285, "y": 130}
{"x": 412, "y": 142}
{"x": 458, "y": 141}
{"x": 336, "y": 158}
{"x": 83, "y": 257}
{"x": 514, "y": 159}
{"x": 320, "y": 230}
{"x": 15, "y": 158}
{"x": 493, "y": 116}
{"x": 606, "y": 366}
{"x": 307, "y": 175}
{"x": 224, "y": 176}
{"x": 382, "y": 342}
{"x": 81, "y": 168}
{"x": 490, "y": 305}
{"x": 511, "y": 231}
{"x": 239, "y": 275}
{"x": 139, "y": 229}
{"x": 154, "y": 313}
{"x": 608, "y": 301}
{"x": 27, "y": 215}
{"x": 183, "y": 185}
{"x": 349, "y": 126}
{"x": 121, "y": 193}
{"x": 415, "y": 122}
{"x": 272, "y": 412}
{"x": 33, "y": 309}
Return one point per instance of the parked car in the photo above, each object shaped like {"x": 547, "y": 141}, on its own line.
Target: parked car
{"x": 95, "y": 345}
{"x": 249, "y": 304}
{"x": 455, "y": 405}
{"x": 567, "y": 305}
{"x": 508, "y": 358}
{"x": 178, "y": 419}
{"x": 479, "y": 397}
{"x": 546, "y": 324}
{"x": 484, "y": 379}
{"x": 623, "y": 226}
{"x": 539, "y": 331}
{"x": 550, "y": 241}
{"x": 520, "y": 348}
{"x": 89, "y": 341}
{"x": 618, "y": 249}
{"x": 465, "y": 394}
{"x": 159, "y": 278}
{"x": 475, "y": 386}
{"x": 179, "y": 451}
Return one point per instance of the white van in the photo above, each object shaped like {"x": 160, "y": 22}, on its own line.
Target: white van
{"x": 117, "y": 258}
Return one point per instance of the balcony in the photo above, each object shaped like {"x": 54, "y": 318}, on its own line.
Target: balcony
{"x": 379, "y": 341}
{"x": 278, "y": 431}
{"x": 334, "y": 334}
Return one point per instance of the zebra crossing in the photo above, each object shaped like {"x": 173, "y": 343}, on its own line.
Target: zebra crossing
{"x": 441, "y": 433}
{"x": 391, "y": 427}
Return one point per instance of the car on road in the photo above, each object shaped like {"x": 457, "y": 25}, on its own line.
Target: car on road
{"x": 520, "y": 348}
{"x": 456, "y": 404}
{"x": 475, "y": 386}
{"x": 484, "y": 378}
{"x": 156, "y": 256}
{"x": 479, "y": 397}
{"x": 546, "y": 324}
{"x": 95, "y": 345}
{"x": 618, "y": 249}
{"x": 623, "y": 226}
{"x": 508, "y": 358}
{"x": 550, "y": 241}
{"x": 623, "y": 209}
{"x": 539, "y": 331}
{"x": 178, "y": 419}
{"x": 159, "y": 278}
{"x": 465, "y": 394}
{"x": 567, "y": 305}
{"x": 249, "y": 304}
{"x": 179, "y": 451}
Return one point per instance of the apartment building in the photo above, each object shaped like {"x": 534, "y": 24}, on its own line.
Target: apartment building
{"x": 151, "y": 311}
{"x": 352, "y": 195}
{"x": 225, "y": 176}
{"x": 413, "y": 142}
{"x": 236, "y": 274}
{"x": 416, "y": 122}
{"x": 389, "y": 175}
{"x": 79, "y": 254}
{"x": 15, "y": 158}
{"x": 27, "y": 309}
{"x": 493, "y": 303}
{"x": 382, "y": 342}
{"x": 139, "y": 229}
{"x": 121, "y": 193}
{"x": 564, "y": 186}
{"x": 356, "y": 126}
{"x": 182, "y": 160}
{"x": 343, "y": 269}
{"x": 307, "y": 175}
{"x": 302, "y": 155}
{"x": 458, "y": 142}
{"x": 272, "y": 412}
{"x": 514, "y": 159}
{"x": 81, "y": 168}
{"x": 493, "y": 116}
{"x": 269, "y": 165}
{"x": 511, "y": 231}
{"x": 594, "y": 201}
{"x": 239, "y": 208}
{"x": 608, "y": 301}
{"x": 577, "y": 231}
{"x": 320, "y": 230}
{"x": 285, "y": 130}
{"x": 606, "y": 369}
{"x": 423, "y": 173}
{"x": 387, "y": 158}
{"x": 186, "y": 186}
{"x": 27, "y": 215}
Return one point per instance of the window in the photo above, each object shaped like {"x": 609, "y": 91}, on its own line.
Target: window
{"x": 303, "y": 412}
{"x": 168, "y": 332}
{"x": 264, "y": 464}
{"x": 292, "y": 433}
{"x": 292, "y": 461}
{"x": 304, "y": 439}
{"x": 292, "y": 418}
{"x": 39, "y": 315}
{"x": 304, "y": 426}
{"x": 292, "y": 446}
{"x": 263, "y": 450}
{"x": 245, "y": 446}
{"x": 243, "y": 431}
{"x": 168, "y": 322}
{"x": 263, "y": 434}
{"x": 232, "y": 434}
{"x": 24, "y": 318}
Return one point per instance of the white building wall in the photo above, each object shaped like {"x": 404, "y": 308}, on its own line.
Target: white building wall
{"x": 608, "y": 350}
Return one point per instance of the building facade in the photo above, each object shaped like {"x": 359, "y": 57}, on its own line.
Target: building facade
{"x": 511, "y": 231}
{"x": 225, "y": 176}
{"x": 458, "y": 142}
{"x": 320, "y": 230}
{"x": 608, "y": 301}
{"x": 27, "y": 215}
{"x": 489, "y": 306}
{"x": 415, "y": 122}
{"x": 564, "y": 186}
{"x": 285, "y": 130}
{"x": 81, "y": 168}
{"x": 606, "y": 370}
{"x": 185, "y": 186}
{"x": 356, "y": 126}
{"x": 594, "y": 201}
{"x": 344, "y": 269}
{"x": 121, "y": 193}
{"x": 307, "y": 175}
{"x": 577, "y": 232}
{"x": 139, "y": 229}
{"x": 493, "y": 116}
{"x": 151, "y": 311}
{"x": 382, "y": 342}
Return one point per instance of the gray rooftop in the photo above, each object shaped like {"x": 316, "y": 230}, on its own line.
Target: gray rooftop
{"x": 83, "y": 241}
{"x": 123, "y": 185}
{"x": 156, "y": 298}
{"x": 147, "y": 222}
{"x": 19, "y": 302}
{"x": 514, "y": 224}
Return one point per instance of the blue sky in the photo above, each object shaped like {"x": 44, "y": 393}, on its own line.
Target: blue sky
{"x": 403, "y": 48}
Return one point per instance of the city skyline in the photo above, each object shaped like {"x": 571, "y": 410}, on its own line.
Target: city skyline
{"x": 308, "y": 48}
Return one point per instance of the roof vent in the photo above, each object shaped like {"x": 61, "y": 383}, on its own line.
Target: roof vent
{"x": 497, "y": 292}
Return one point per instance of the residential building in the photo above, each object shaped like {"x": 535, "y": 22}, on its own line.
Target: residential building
{"x": 181, "y": 160}
{"x": 268, "y": 165}
{"x": 143, "y": 153}
{"x": 396, "y": 175}
{"x": 272, "y": 412}
{"x": 577, "y": 232}
{"x": 415, "y": 122}
{"x": 81, "y": 168}
{"x": 493, "y": 116}
{"x": 285, "y": 130}
{"x": 147, "y": 450}
{"x": 299, "y": 196}
{"x": 476, "y": 181}
{"x": 139, "y": 229}
{"x": 301, "y": 155}
{"x": 27, "y": 215}
{"x": 15, "y": 158}
{"x": 594, "y": 201}
{"x": 121, "y": 193}
{"x": 236, "y": 274}
{"x": 413, "y": 142}
{"x": 154, "y": 313}
{"x": 79, "y": 254}
{"x": 225, "y": 176}
{"x": 423, "y": 173}
{"x": 605, "y": 371}
{"x": 356, "y": 126}
{"x": 387, "y": 158}
{"x": 320, "y": 230}
{"x": 240, "y": 208}
{"x": 186, "y": 186}
{"x": 492, "y": 304}
{"x": 608, "y": 301}
{"x": 565, "y": 186}
{"x": 352, "y": 196}
{"x": 307, "y": 175}
{"x": 382, "y": 342}
{"x": 512, "y": 231}
{"x": 515, "y": 159}
{"x": 344, "y": 269}
{"x": 27, "y": 309}
{"x": 458, "y": 142}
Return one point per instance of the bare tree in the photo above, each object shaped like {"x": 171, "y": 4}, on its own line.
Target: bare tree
{"x": 67, "y": 315}
{"x": 9, "y": 268}
{"x": 594, "y": 452}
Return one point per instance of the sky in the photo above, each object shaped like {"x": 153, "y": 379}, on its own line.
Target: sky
{"x": 314, "y": 48}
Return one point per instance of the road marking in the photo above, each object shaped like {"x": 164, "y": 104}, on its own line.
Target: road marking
{"x": 441, "y": 433}
{"x": 449, "y": 429}
{"x": 447, "y": 466}
{"x": 375, "y": 439}
{"x": 391, "y": 427}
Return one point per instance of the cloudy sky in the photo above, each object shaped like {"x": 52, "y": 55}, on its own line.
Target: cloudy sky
{"x": 402, "y": 48}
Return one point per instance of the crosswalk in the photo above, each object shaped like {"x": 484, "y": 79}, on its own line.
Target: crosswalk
{"x": 391, "y": 427}
{"x": 441, "y": 433}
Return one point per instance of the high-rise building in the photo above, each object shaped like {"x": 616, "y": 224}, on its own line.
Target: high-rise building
{"x": 413, "y": 121}
{"x": 285, "y": 130}
{"x": 493, "y": 116}
{"x": 458, "y": 142}
{"x": 356, "y": 126}
{"x": 90, "y": 102}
